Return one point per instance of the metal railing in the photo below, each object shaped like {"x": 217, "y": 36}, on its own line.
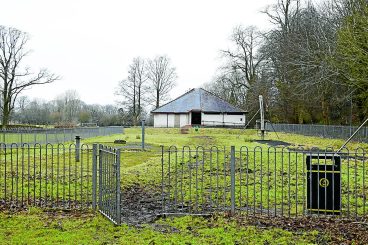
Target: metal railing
{"x": 109, "y": 183}
{"x": 54, "y": 136}
{"x": 325, "y": 131}
{"x": 45, "y": 175}
{"x": 269, "y": 181}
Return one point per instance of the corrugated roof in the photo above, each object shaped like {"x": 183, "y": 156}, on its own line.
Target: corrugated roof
{"x": 197, "y": 99}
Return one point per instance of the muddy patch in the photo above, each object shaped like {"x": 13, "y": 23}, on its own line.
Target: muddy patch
{"x": 204, "y": 139}
{"x": 140, "y": 205}
{"x": 273, "y": 143}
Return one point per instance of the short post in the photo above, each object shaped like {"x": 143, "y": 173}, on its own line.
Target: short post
{"x": 94, "y": 176}
{"x": 77, "y": 148}
{"x": 262, "y": 117}
{"x": 143, "y": 121}
{"x": 232, "y": 175}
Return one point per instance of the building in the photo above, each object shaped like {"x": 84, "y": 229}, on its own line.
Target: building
{"x": 198, "y": 107}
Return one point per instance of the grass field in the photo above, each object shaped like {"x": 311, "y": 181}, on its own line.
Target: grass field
{"x": 143, "y": 168}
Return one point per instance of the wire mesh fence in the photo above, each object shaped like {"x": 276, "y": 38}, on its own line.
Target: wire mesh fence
{"x": 271, "y": 181}
{"x": 325, "y": 131}
{"x": 45, "y": 175}
{"x": 54, "y": 136}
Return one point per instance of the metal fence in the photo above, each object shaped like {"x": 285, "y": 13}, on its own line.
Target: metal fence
{"x": 325, "y": 131}
{"x": 270, "y": 181}
{"x": 54, "y": 136}
{"x": 290, "y": 182}
{"x": 45, "y": 175}
{"x": 109, "y": 183}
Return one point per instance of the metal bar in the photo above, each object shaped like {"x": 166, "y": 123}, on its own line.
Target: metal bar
{"x": 143, "y": 133}
{"x": 162, "y": 179}
{"x": 232, "y": 170}
{"x": 118, "y": 194}
{"x": 100, "y": 172}
{"x": 352, "y": 136}
{"x": 94, "y": 176}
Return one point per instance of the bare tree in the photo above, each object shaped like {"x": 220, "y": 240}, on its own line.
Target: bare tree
{"x": 13, "y": 77}
{"x": 245, "y": 56}
{"x": 133, "y": 89}
{"x": 162, "y": 77}
{"x": 70, "y": 105}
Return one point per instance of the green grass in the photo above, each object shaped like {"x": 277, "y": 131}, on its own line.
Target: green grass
{"x": 36, "y": 227}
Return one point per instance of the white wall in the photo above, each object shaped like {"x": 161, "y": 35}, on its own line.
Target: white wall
{"x": 222, "y": 119}
{"x": 212, "y": 119}
{"x": 163, "y": 120}
{"x": 238, "y": 119}
{"x": 184, "y": 120}
{"x": 171, "y": 120}
{"x": 160, "y": 120}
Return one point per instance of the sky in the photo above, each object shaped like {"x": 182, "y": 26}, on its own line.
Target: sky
{"x": 90, "y": 44}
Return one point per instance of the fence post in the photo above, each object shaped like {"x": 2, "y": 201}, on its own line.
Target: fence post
{"x": 100, "y": 190}
{"x": 77, "y": 148}
{"x": 94, "y": 177}
{"x": 232, "y": 169}
{"x": 143, "y": 134}
{"x": 118, "y": 208}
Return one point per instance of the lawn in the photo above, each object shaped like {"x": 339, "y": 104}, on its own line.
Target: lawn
{"x": 143, "y": 168}
{"x": 36, "y": 227}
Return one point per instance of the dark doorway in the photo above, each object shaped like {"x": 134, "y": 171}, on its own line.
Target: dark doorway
{"x": 196, "y": 118}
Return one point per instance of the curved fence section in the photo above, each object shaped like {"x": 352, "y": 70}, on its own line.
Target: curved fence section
{"x": 269, "y": 181}
{"x": 45, "y": 175}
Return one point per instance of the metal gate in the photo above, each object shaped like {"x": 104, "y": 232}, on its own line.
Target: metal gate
{"x": 108, "y": 174}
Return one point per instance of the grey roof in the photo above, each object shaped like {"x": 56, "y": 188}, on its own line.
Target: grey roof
{"x": 197, "y": 99}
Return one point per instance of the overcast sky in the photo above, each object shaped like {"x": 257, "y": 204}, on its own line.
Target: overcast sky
{"x": 90, "y": 44}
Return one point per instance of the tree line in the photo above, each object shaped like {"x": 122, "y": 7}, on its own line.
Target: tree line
{"x": 310, "y": 67}
{"x": 66, "y": 110}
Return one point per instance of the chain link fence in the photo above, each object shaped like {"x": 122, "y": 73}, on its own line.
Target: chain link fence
{"x": 54, "y": 136}
{"x": 325, "y": 131}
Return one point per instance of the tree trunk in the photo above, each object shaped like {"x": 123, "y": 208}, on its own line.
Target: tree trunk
{"x": 6, "y": 116}
{"x": 325, "y": 111}
{"x": 157, "y": 99}
{"x": 139, "y": 102}
{"x": 134, "y": 105}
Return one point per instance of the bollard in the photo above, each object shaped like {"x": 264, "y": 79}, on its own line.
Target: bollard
{"x": 143, "y": 121}
{"x": 77, "y": 148}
